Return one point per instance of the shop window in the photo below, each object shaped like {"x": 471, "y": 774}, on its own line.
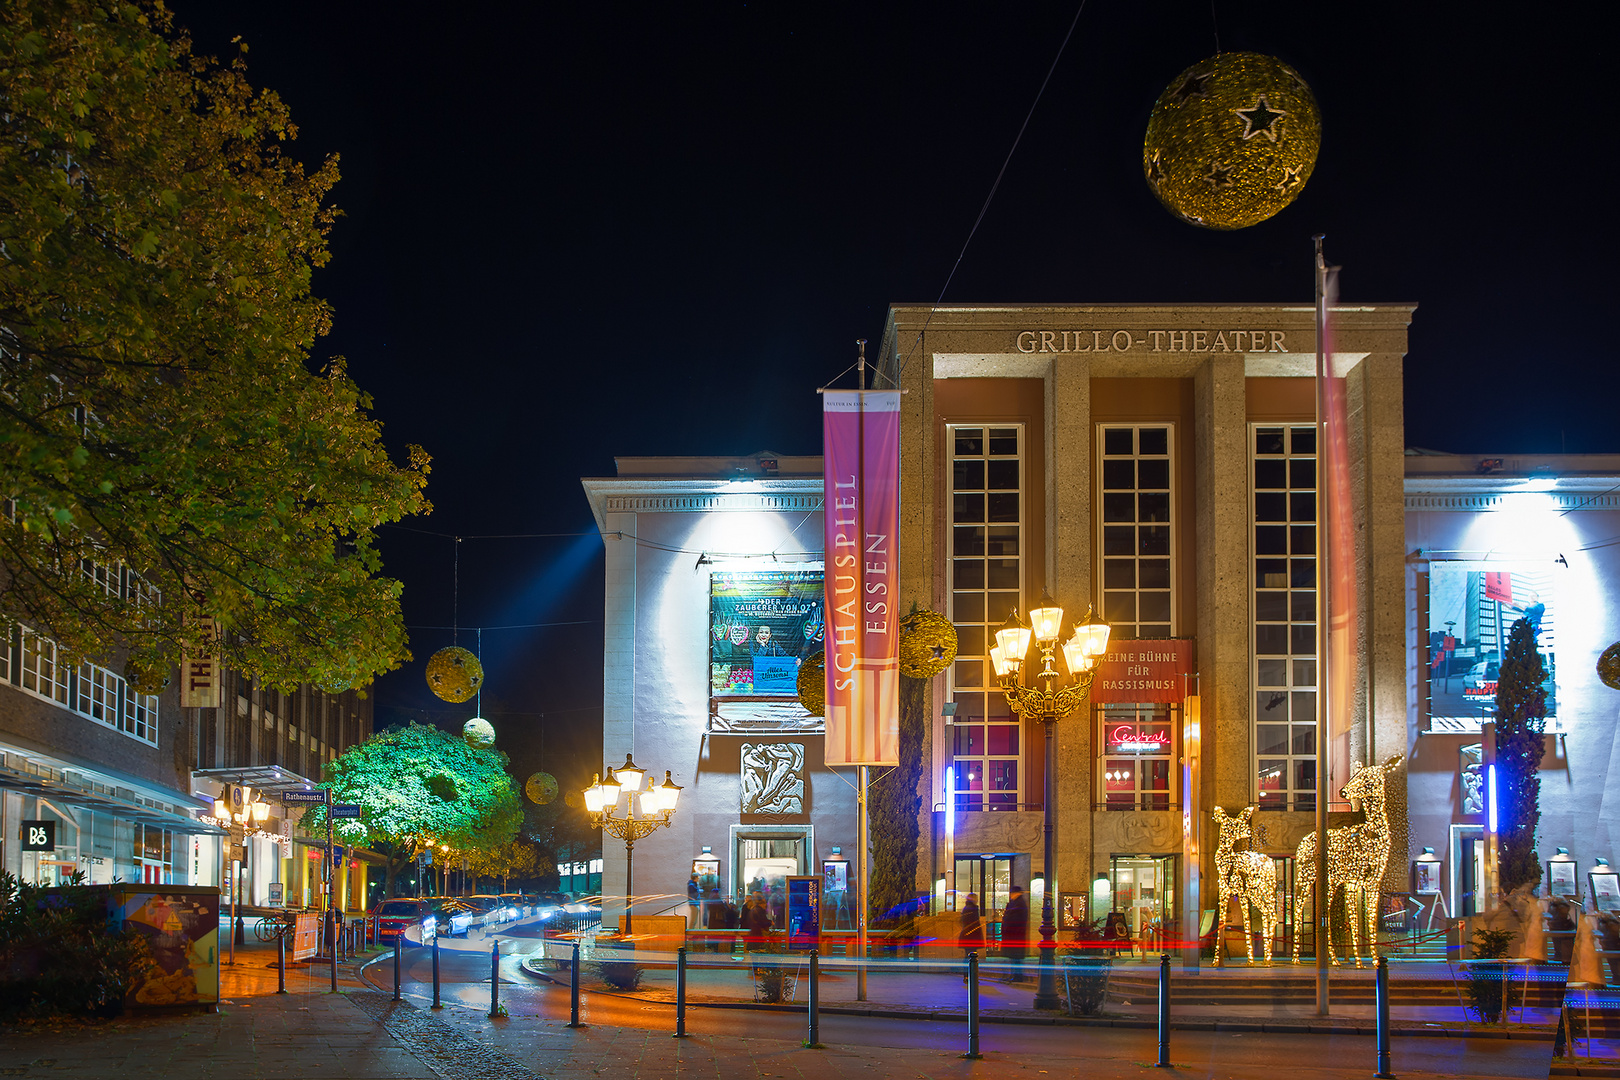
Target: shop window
{"x": 1137, "y": 748}
{"x": 1283, "y": 518}
{"x": 1137, "y": 535}
{"x": 986, "y": 579}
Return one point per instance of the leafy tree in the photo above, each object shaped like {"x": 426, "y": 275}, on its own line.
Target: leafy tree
{"x": 418, "y": 787}
{"x": 520, "y": 859}
{"x": 158, "y": 409}
{"x": 1521, "y": 709}
{"x": 893, "y": 805}
{"x": 563, "y": 832}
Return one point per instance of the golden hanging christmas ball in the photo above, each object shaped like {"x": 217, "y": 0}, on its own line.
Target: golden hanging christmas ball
{"x": 1232, "y": 140}
{"x": 927, "y": 644}
{"x": 1608, "y": 666}
{"x": 541, "y": 788}
{"x": 813, "y": 683}
{"x": 479, "y": 733}
{"x": 454, "y": 674}
{"x": 574, "y": 799}
{"x": 146, "y": 676}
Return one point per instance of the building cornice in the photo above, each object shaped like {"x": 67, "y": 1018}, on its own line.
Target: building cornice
{"x": 685, "y": 495}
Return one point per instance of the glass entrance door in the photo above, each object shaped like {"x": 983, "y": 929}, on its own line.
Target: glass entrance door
{"x": 766, "y": 864}
{"x": 1144, "y": 888}
{"x": 988, "y": 878}
{"x": 1469, "y": 859}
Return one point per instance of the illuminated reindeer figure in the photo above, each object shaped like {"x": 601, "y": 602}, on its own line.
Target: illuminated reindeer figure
{"x": 1250, "y": 876}
{"x": 1356, "y": 857}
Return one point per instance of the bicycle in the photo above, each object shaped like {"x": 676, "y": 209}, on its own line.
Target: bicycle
{"x": 279, "y": 925}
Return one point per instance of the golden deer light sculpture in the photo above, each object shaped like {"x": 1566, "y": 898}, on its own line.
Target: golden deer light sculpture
{"x": 1250, "y": 876}
{"x": 1356, "y": 857}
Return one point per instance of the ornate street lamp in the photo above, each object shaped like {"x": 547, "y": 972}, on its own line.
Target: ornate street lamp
{"x": 1049, "y": 700}
{"x": 237, "y": 810}
{"x": 657, "y": 806}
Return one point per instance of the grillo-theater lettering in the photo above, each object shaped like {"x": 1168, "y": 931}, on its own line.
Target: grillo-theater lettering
{"x": 1153, "y": 341}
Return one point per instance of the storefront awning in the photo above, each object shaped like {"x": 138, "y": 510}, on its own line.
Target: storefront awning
{"x": 270, "y": 779}
{"x": 70, "y": 787}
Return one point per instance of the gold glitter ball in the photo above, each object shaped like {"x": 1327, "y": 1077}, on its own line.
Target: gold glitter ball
{"x": 479, "y": 733}
{"x": 927, "y": 644}
{"x": 1232, "y": 140}
{"x": 1608, "y": 666}
{"x": 541, "y": 788}
{"x": 454, "y": 674}
{"x": 813, "y": 683}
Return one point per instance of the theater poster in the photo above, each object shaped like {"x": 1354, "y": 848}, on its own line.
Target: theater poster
{"x": 1472, "y": 609}
{"x": 762, "y": 625}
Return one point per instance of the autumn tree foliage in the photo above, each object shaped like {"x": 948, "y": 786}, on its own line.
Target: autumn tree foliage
{"x": 164, "y": 431}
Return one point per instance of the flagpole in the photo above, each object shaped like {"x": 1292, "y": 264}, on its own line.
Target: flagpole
{"x": 1320, "y": 910}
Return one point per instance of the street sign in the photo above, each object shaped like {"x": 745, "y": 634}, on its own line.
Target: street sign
{"x": 239, "y": 852}
{"x": 342, "y": 810}
{"x": 39, "y": 836}
{"x": 290, "y": 797}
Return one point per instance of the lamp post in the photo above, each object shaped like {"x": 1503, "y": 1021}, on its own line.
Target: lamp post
{"x": 1049, "y": 701}
{"x": 236, "y": 810}
{"x": 657, "y": 806}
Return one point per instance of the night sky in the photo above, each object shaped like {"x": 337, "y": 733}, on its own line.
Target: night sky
{"x": 580, "y": 231}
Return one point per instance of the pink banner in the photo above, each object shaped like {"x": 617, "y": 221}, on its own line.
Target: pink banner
{"x": 861, "y": 455}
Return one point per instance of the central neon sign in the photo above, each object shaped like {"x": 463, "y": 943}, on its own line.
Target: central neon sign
{"x": 1127, "y": 740}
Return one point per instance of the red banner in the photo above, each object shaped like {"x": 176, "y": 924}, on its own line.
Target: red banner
{"x": 861, "y": 455}
{"x": 1499, "y": 586}
{"x": 1146, "y": 671}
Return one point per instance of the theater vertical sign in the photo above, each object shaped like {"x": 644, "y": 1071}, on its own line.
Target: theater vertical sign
{"x": 861, "y": 452}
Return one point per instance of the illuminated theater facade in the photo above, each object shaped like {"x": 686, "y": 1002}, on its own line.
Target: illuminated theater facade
{"x": 1155, "y": 462}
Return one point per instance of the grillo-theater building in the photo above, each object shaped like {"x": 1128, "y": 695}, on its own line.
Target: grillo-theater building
{"x": 1155, "y": 462}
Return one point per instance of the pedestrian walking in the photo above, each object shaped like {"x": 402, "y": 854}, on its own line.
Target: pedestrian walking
{"x": 970, "y": 932}
{"x": 756, "y": 921}
{"x": 694, "y": 902}
{"x": 1015, "y": 933}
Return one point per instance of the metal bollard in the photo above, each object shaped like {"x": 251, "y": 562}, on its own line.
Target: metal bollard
{"x": 281, "y": 963}
{"x": 1381, "y": 989}
{"x": 494, "y": 978}
{"x": 333, "y": 938}
{"x": 573, "y": 989}
{"x": 436, "y": 1004}
{"x": 973, "y": 1007}
{"x": 680, "y": 993}
{"x": 1164, "y": 1012}
{"x": 399, "y": 939}
{"x": 813, "y": 1038}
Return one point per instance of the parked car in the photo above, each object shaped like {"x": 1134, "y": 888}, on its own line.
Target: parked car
{"x": 455, "y": 917}
{"x": 490, "y": 907}
{"x": 522, "y": 906}
{"x": 393, "y": 916}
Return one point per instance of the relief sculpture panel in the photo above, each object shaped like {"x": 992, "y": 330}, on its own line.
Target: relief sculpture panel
{"x": 773, "y": 778}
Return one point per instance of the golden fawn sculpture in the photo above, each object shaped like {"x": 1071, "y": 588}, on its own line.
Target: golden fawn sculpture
{"x": 1250, "y": 876}
{"x": 1356, "y": 857}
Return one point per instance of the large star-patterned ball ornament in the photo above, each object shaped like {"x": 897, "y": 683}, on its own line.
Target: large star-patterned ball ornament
{"x": 813, "y": 683}
{"x": 454, "y": 674}
{"x": 541, "y": 788}
{"x": 1608, "y": 666}
{"x": 927, "y": 644}
{"x": 1232, "y": 140}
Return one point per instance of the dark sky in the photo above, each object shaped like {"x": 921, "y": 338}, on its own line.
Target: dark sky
{"x": 576, "y": 231}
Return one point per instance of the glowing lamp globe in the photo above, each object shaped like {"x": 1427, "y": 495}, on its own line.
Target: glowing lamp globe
{"x": 1232, "y": 140}
{"x": 479, "y": 733}
{"x": 454, "y": 674}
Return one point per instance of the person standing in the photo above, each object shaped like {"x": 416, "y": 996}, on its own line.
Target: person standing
{"x": 756, "y": 922}
{"x": 694, "y": 902}
{"x": 1015, "y": 933}
{"x": 970, "y": 932}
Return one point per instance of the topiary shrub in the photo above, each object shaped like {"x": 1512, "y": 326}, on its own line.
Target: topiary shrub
{"x": 1487, "y": 981}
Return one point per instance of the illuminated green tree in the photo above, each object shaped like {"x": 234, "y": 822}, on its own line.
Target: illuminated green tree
{"x": 1521, "y": 710}
{"x": 158, "y": 407}
{"x": 418, "y": 787}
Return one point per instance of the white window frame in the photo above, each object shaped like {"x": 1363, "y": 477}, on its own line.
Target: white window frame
{"x": 983, "y": 760}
